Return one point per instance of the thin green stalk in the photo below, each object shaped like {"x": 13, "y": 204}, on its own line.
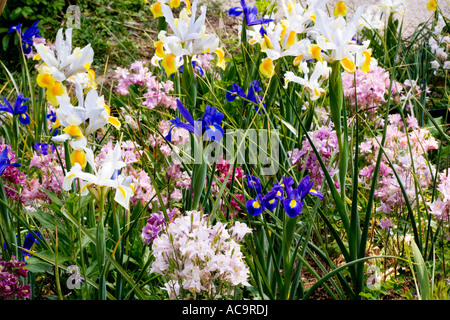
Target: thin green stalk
{"x": 101, "y": 247}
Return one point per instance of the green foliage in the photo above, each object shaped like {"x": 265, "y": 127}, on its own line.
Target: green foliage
{"x": 48, "y": 12}
{"x": 121, "y": 31}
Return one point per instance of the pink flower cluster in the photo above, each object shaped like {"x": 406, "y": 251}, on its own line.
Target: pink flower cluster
{"x": 198, "y": 259}
{"x": 49, "y": 176}
{"x": 11, "y": 273}
{"x": 144, "y": 191}
{"x": 179, "y": 137}
{"x": 440, "y": 208}
{"x": 156, "y": 93}
{"x": 13, "y": 177}
{"x": 371, "y": 88}
{"x": 325, "y": 140}
{"x": 223, "y": 167}
{"x": 407, "y": 149}
{"x": 155, "y": 223}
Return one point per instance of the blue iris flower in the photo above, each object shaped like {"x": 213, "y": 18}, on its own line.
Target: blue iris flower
{"x": 41, "y": 148}
{"x": 19, "y": 108}
{"x": 27, "y": 36}
{"x": 210, "y": 123}
{"x": 195, "y": 66}
{"x": 251, "y": 95}
{"x": 250, "y": 13}
{"x": 28, "y": 243}
{"x": 293, "y": 203}
{"x": 52, "y": 117}
{"x": 260, "y": 203}
{"x": 5, "y": 162}
{"x": 235, "y": 92}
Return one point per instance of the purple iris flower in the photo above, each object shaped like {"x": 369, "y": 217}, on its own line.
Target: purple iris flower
{"x": 293, "y": 203}
{"x": 255, "y": 98}
{"x": 260, "y": 203}
{"x": 5, "y": 162}
{"x": 52, "y": 117}
{"x": 210, "y": 123}
{"x": 235, "y": 92}
{"x": 251, "y": 95}
{"x": 27, "y": 36}
{"x": 29, "y": 241}
{"x": 42, "y": 148}
{"x": 196, "y": 68}
{"x": 250, "y": 13}
{"x": 19, "y": 108}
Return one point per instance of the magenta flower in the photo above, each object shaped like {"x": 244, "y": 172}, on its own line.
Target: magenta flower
{"x": 385, "y": 223}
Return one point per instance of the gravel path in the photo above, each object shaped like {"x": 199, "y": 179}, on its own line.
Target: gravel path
{"x": 415, "y": 13}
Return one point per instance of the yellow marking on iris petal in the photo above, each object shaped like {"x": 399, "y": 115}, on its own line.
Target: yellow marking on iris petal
{"x": 85, "y": 187}
{"x": 266, "y": 68}
{"x": 132, "y": 188}
{"x": 256, "y": 205}
{"x": 340, "y": 10}
{"x": 278, "y": 193}
{"x": 188, "y": 6}
{"x": 316, "y": 91}
{"x": 212, "y": 128}
{"x": 73, "y": 130}
{"x": 45, "y": 80}
{"x": 298, "y": 60}
{"x": 169, "y": 64}
{"x": 291, "y": 39}
{"x": 367, "y": 57}
{"x": 114, "y": 121}
{"x": 293, "y": 203}
{"x": 56, "y": 124}
{"x": 267, "y": 42}
{"x": 271, "y": 201}
{"x": 159, "y": 49}
{"x": 37, "y": 57}
{"x": 313, "y": 18}
{"x": 432, "y": 5}
{"x": 174, "y": 3}
{"x": 55, "y": 91}
{"x": 123, "y": 191}
{"x": 348, "y": 65}
{"x": 220, "y": 58}
{"x": 290, "y": 6}
{"x": 283, "y": 32}
{"x": 70, "y": 176}
{"x": 156, "y": 10}
{"x": 315, "y": 52}
{"x": 78, "y": 156}
{"x": 91, "y": 75}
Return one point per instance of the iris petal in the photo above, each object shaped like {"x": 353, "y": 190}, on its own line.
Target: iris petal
{"x": 254, "y": 207}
